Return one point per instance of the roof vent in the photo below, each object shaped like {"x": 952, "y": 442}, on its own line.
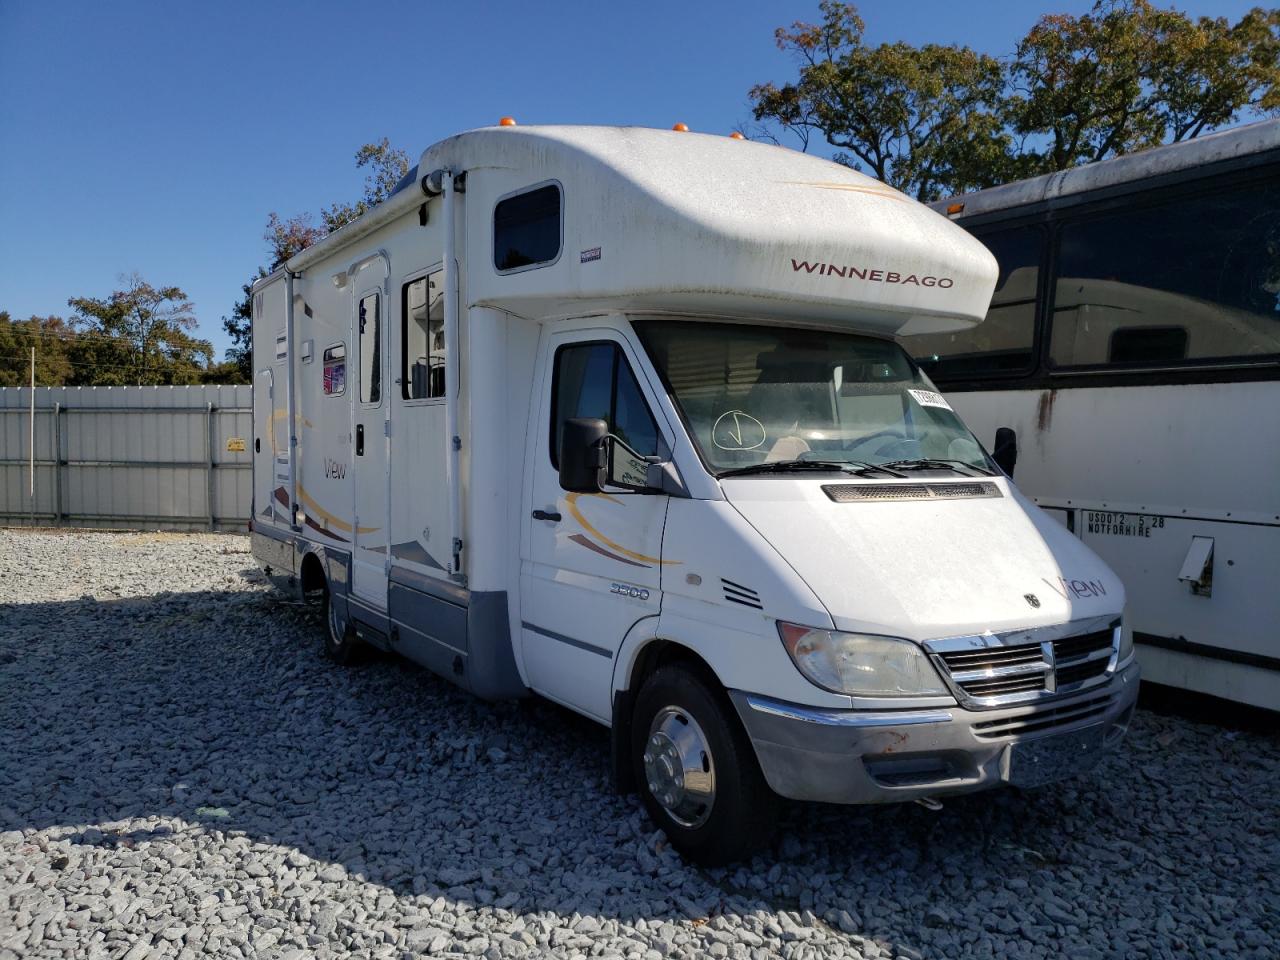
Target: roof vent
{"x": 855, "y": 492}
{"x": 737, "y": 593}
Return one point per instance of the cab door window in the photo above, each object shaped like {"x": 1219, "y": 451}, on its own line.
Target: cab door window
{"x": 595, "y": 380}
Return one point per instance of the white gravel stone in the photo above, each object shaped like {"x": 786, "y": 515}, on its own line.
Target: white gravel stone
{"x": 184, "y": 775}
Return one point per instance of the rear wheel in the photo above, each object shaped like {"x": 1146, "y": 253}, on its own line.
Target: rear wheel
{"x": 696, "y": 770}
{"x": 341, "y": 645}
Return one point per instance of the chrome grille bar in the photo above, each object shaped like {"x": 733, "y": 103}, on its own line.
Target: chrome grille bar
{"x": 1024, "y": 666}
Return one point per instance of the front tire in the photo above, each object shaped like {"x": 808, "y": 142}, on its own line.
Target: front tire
{"x": 341, "y": 645}
{"x": 696, "y": 770}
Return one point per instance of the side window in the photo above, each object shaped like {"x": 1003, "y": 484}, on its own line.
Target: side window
{"x": 370, "y": 350}
{"x": 335, "y": 370}
{"x": 423, "y": 361}
{"x": 1003, "y": 343}
{"x": 526, "y": 229}
{"x": 595, "y": 380}
{"x": 1196, "y": 278}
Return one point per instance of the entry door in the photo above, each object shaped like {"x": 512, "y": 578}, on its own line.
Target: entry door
{"x": 590, "y": 563}
{"x": 369, "y": 445}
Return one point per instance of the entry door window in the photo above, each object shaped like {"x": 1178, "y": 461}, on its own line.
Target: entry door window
{"x": 595, "y": 380}
{"x": 370, "y": 350}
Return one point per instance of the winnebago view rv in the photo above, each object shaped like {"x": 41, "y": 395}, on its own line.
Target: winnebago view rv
{"x": 616, "y": 416}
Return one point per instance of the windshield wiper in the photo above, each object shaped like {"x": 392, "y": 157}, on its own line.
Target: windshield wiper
{"x": 935, "y": 463}
{"x": 860, "y": 467}
{"x": 786, "y": 466}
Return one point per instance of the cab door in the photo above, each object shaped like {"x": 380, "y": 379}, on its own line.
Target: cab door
{"x": 369, "y": 441}
{"x": 590, "y": 563}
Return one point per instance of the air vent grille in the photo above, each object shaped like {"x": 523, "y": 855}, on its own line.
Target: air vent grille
{"x": 855, "y": 492}
{"x": 737, "y": 593}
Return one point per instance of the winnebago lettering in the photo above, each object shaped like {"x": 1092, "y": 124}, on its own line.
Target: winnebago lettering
{"x": 867, "y": 273}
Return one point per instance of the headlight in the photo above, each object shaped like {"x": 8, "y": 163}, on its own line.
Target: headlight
{"x": 860, "y": 664}
{"x": 1126, "y": 642}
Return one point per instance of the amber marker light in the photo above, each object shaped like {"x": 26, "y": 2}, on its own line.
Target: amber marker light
{"x": 507, "y": 122}
{"x": 954, "y": 208}
{"x": 681, "y": 128}
{"x": 736, "y": 136}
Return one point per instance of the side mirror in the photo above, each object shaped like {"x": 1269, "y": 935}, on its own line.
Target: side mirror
{"x": 1006, "y": 452}
{"x": 582, "y": 455}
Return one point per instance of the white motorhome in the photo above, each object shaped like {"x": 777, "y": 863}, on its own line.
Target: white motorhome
{"x": 615, "y": 416}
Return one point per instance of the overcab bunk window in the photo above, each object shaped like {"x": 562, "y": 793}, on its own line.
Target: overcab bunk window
{"x": 423, "y": 360}
{"x": 526, "y": 229}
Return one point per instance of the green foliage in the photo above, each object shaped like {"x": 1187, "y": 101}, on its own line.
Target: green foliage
{"x": 137, "y": 335}
{"x": 239, "y": 327}
{"x": 387, "y": 165}
{"x": 942, "y": 119}
{"x": 921, "y": 118}
{"x": 17, "y": 337}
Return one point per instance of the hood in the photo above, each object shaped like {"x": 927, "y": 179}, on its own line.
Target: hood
{"x": 928, "y": 568}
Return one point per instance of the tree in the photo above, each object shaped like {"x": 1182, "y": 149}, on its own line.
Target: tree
{"x": 1206, "y": 73}
{"x": 388, "y": 166}
{"x": 933, "y": 120}
{"x": 924, "y": 119}
{"x": 286, "y": 238}
{"x": 239, "y": 327}
{"x": 138, "y": 335}
{"x": 49, "y": 336}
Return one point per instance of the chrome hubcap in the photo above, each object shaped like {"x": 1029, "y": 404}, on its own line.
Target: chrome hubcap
{"x": 678, "y": 767}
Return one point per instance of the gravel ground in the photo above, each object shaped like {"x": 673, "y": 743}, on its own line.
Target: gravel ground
{"x": 182, "y": 772}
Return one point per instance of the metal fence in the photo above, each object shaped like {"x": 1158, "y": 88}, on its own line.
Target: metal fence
{"x": 165, "y": 457}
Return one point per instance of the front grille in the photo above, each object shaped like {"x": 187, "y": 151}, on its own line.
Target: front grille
{"x": 1082, "y": 658}
{"x": 998, "y": 671}
{"x": 1042, "y": 720}
{"x": 998, "y": 688}
{"x": 996, "y": 675}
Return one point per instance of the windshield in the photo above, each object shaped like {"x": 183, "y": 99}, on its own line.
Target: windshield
{"x": 754, "y": 395}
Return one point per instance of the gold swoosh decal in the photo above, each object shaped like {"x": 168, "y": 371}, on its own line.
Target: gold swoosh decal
{"x": 326, "y": 516}
{"x": 571, "y": 501}
{"x": 886, "y": 192}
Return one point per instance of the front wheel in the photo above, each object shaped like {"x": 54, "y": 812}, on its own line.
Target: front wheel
{"x": 341, "y": 645}
{"x": 696, "y": 770}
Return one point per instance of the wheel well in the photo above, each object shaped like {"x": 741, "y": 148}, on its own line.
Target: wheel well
{"x": 660, "y": 653}
{"x": 311, "y": 574}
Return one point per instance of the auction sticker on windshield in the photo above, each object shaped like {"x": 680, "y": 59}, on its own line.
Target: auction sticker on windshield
{"x": 928, "y": 398}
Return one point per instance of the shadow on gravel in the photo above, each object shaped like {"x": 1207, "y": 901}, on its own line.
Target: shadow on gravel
{"x": 217, "y": 710}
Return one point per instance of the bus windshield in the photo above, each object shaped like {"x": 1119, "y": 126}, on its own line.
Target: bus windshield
{"x": 756, "y": 395}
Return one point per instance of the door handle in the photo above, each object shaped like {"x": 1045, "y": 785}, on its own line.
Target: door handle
{"x": 359, "y": 439}
{"x": 546, "y": 515}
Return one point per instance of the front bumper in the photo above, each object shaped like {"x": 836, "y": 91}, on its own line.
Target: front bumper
{"x": 859, "y": 756}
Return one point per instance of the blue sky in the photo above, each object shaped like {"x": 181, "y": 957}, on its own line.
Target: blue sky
{"x": 157, "y": 137}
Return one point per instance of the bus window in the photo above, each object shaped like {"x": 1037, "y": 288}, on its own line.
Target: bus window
{"x": 1191, "y": 279}
{"x": 1003, "y": 342}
